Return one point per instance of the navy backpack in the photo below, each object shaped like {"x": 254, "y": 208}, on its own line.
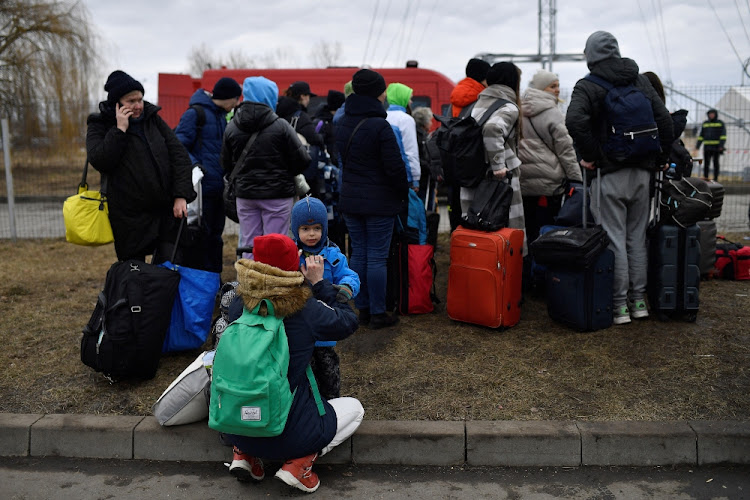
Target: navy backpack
{"x": 632, "y": 130}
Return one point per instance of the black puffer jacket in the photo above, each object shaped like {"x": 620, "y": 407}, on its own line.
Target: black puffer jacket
{"x": 374, "y": 175}
{"x": 276, "y": 156}
{"x": 147, "y": 168}
{"x": 586, "y": 120}
{"x": 287, "y": 107}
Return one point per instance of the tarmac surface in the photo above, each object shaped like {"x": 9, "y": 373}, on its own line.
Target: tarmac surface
{"x": 76, "y": 479}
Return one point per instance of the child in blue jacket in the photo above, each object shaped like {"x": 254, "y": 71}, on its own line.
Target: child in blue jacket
{"x": 310, "y": 231}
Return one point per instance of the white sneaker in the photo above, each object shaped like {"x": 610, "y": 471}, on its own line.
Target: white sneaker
{"x": 621, "y": 316}
{"x": 637, "y": 308}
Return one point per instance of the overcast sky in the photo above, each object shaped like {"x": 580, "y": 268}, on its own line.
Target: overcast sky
{"x": 681, "y": 40}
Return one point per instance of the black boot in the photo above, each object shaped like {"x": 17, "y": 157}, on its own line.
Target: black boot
{"x": 364, "y": 316}
{"x": 383, "y": 320}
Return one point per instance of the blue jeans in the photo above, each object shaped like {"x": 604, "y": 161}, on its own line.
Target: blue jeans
{"x": 371, "y": 238}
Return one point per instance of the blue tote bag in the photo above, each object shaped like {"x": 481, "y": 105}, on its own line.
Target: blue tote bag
{"x": 193, "y": 308}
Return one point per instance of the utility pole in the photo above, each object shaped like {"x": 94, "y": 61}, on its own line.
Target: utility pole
{"x": 546, "y": 47}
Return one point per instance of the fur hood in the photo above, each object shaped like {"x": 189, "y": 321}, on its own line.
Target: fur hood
{"x": 285, "y": 289}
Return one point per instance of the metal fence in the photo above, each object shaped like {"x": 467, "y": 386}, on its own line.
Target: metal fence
{"x": 48, "y": 172}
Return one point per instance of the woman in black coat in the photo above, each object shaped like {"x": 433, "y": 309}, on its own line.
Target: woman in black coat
{"x": 147, "y": 169}
{"x": 373, "y": 192}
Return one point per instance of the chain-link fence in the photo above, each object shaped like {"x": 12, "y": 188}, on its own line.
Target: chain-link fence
{"x": 46, "y": 165}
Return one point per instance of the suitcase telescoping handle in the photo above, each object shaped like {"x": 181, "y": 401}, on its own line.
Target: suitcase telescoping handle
{"x": 598, "y": 196}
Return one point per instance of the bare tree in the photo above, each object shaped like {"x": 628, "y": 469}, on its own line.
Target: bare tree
{"x": 47, "y": 53}
{"x": 324, "y": 54}
{"x": 202, "y": 58}
{"x": 238, "y": 59}
{"x": 280, "y": 57}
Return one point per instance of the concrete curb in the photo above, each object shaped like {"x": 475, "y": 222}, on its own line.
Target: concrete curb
{"x": 476, "y": 443}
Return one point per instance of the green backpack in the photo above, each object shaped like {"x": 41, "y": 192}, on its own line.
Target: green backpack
{"x": 250, "y": 393}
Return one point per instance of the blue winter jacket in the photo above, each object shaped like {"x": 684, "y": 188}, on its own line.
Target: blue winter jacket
{"x": 207, "y": 153}
{"x": 374, "y": 175}
{"x": 337, "y": 271}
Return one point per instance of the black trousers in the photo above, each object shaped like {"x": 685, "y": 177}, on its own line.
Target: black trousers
{"x": 708, "y": 155}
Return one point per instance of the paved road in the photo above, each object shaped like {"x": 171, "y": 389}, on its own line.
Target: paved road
{"x": 82, "y": 479}
{"x": 44, "y": 219}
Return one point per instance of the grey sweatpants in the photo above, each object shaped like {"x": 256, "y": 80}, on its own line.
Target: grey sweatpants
{"x": 624, "y": 215}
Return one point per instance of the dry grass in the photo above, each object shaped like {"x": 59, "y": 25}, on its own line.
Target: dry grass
{"x": 429, "y": 367}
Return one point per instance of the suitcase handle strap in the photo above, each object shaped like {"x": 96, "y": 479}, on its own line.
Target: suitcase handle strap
{"x": 598, "y": 195}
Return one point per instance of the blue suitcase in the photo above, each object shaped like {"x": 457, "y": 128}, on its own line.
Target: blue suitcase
{"x": 674, "y": 272}
{"x": 674, "y": 264}
{"x": 582, "y": 298}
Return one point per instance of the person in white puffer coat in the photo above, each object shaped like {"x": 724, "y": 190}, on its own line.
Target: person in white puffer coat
{"x": 546, "y": 153}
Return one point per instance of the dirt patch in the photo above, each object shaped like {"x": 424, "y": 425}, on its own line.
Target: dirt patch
{"x": 428, "y": 367}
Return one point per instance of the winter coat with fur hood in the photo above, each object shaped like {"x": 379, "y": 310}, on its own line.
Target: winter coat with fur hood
{"x": 146, "y": 167}
{"x": 546, "y": 150}
{"x": 276, "y": 156}
{"x": 309, "y": 315}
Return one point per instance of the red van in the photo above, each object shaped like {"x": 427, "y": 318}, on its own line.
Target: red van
{"x": 431, "y": 88}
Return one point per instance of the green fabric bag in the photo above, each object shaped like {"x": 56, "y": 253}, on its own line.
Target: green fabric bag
{"x": 250, "y": 392}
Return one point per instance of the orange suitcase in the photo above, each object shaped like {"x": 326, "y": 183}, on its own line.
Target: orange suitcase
{"x": 484, "y": 278}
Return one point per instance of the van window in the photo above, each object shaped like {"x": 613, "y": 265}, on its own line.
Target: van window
{"x": 420, "y": 101}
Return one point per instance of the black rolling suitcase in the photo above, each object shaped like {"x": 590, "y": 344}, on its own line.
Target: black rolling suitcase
{"x": 579, "y": 292}
{"x": 674, "y": 268}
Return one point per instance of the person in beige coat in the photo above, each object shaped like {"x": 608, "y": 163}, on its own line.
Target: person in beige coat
{"x": 546, "y": 152}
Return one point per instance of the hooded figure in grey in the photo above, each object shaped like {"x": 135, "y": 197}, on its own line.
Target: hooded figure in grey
{"x": 624, "y": 204}
{"x": 600, "y": 45}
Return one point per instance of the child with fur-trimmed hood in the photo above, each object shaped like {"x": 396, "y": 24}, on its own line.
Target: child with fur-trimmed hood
{"x": 310, "y": 231}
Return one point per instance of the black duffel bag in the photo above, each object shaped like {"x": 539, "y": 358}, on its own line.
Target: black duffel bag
{"x": 572, "y": 247}
{"x": 566, "y": 247}
{"x": 125, "y": 334}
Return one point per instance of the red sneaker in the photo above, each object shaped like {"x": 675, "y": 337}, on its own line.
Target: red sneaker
{"x": 246, "y": 468}
{"x": 298, "y": 473}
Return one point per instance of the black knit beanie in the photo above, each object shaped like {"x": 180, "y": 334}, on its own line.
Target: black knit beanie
{"x": 503, "y": 73}
{"x": 368, "y": 82}
{"x": 226, "y": 88}
{"x": 477, "y": 69}
{"x": 335, "y": 99}
{"x": 120, "y": 83}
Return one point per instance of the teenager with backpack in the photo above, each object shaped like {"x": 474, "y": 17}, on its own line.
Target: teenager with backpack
{"x": 263, "y": 170}
{"x": 201, "y": 131}
{"x": 626, "y": 164}
{"x": 501, "y": 133}
{"x": 310, "y": 313}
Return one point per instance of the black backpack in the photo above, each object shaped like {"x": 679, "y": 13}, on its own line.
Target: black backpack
{"x": 200, "y": 120}
{"x": 461, "y": 145}
{"x": 631, "y": 129}
{"x": 125, "y": 334}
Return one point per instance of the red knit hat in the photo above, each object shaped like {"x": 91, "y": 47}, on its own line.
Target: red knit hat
{"x": 276, "y": 250}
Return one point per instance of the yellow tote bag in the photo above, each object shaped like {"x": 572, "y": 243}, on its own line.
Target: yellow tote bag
{"x": 86, "y": 216}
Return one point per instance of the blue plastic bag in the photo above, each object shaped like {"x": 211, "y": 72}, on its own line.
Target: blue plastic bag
{"x": 417, "y": 218}
{"x": 193, "y": 308}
